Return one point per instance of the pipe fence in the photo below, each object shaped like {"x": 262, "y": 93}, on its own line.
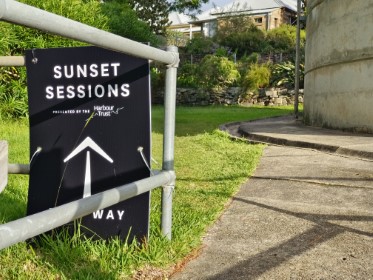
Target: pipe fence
{"x": 22, "y": 229}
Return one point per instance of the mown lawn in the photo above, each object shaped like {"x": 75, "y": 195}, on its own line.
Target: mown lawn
{"x": 210, "y": 168}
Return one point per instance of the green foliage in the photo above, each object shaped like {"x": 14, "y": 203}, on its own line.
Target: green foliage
{"x": 123, "y": 21}
{"x": 187, "y": 6}
{"x": 256, "y": 77}
{"x": 154, "y": 13}
{"x": 187, "y": 75}
{"x": 251, "y": 59}
{"x": 216, "y": 72}
{"x": 175, "y": 38}
{"x": 250, "y": 40}
{"x": 200, "y": 45}
{"x": 240, "y": 35}
{"x": 245, "y": 62}
{"x": 283, "y": 38}
{"x": 233, "y": 23}
{"x": 79, "y": 10}
{"x": 157, "y": 76}
{"x": 13, "y": 95}
{"x": 221, "y": 51}
{"x": 283, "y": 74}
{"x": 213, "y": 72}
{"x": 15, "y": 39}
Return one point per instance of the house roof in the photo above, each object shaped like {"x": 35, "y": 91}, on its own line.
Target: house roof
{"x": 252, "y": 5}
{"x": 246, "y": 6}
{"x": 178, "y": 19}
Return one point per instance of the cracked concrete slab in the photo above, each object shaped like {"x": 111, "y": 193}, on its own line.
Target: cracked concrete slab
{"x": 305, "y": 214}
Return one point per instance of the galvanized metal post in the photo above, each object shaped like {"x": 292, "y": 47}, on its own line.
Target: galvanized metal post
{"x": 12, "y": 61}
{"x": 297, "y": 61}
{"x": 16, "y": 168}
{"x": 3, "y": 164}
{"x": 169, "y": 142}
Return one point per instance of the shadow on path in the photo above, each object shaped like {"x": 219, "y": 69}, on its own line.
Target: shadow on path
{"x": 273, "y": 257}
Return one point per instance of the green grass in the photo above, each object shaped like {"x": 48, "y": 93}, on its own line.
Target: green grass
{"x": 210, "y": 168}
{"x": 196, "y": 120}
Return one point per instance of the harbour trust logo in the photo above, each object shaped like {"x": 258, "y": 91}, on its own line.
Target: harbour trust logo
{"x": 106, "y": 110}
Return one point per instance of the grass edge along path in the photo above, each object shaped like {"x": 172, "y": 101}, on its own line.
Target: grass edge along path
{"x": 210, "y": 168}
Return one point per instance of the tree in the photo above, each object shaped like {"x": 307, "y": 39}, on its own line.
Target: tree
{"x": 187, "y": 6}
{"x": 154, "y": 13}
{"x": 244, "y": 42}
{"x": 124, "y": 21}
{"x": 239, "y": 34}
{"x": 233, "y": 23}
{"x": 200, "y": 45}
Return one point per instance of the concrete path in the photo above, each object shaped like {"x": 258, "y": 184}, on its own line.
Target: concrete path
{"x": 305, "y": 214}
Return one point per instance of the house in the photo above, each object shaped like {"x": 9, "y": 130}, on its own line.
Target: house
{"x": 182, "y": 28}
{"x": 183, "y": 24}
{"x": 265, "y": 14}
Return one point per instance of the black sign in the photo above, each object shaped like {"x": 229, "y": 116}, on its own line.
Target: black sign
{"x": 89, "y": 121}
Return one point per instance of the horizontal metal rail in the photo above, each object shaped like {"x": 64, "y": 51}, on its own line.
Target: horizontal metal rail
{"x": 33, "y": 225}
{"x": 22, "y": 14}
{"x": 16, "y": 168}
{"x": 12, "y": 61}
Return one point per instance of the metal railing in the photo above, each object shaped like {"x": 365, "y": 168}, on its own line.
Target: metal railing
{"x": 22, "y": 229}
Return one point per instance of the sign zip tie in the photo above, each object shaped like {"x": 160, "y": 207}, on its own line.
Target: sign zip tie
{"x": 34, "y": 58}
{"x": 38, "y": 150}
{"x": 141, "y": 151}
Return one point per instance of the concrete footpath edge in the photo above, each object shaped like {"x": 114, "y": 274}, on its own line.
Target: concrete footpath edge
{"x": 356, "y": 145}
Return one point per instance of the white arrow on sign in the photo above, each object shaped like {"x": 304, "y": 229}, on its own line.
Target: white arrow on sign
{"x": 88, "y": 142}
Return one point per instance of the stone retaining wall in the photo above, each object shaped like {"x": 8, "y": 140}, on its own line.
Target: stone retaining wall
{"x": 231, "y": 96}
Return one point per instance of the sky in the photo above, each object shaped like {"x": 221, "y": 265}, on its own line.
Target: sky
{"x": 211, "y": 3}
{"x": 221, "y": 3}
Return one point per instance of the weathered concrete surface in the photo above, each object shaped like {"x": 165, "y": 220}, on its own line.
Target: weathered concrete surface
{"x": 339, "y": 62}
{"x": 3, "y": 164}
{"x": 291, "y": 132}
{"x": 305, "y": 214}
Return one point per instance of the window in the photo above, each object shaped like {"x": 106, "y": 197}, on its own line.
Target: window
{"x": 258, "y": 20}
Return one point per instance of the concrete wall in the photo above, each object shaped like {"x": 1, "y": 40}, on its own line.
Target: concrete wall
{"x": 339, "y": 65}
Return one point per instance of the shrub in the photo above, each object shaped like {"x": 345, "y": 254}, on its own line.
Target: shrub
{"x": 257, "y": 76}
{"x": 283, "y": 38}
{"x": 200, "y": 45}
{"x": 246, "y": 42}
{"x": 157, "y": 75}
{"x": 175, "y": 38}
{"x": 15, "y": 39}
{"x": 245, "y": 62}
{"x": 283, "y": 74}
{"x": 216, "y": 72}
{"x": 187, "y": 75}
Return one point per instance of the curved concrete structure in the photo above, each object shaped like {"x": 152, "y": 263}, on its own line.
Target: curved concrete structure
{"x": 339, "y": 65}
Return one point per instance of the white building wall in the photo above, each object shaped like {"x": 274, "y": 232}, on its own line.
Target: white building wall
{"x": 339, "y": 65}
